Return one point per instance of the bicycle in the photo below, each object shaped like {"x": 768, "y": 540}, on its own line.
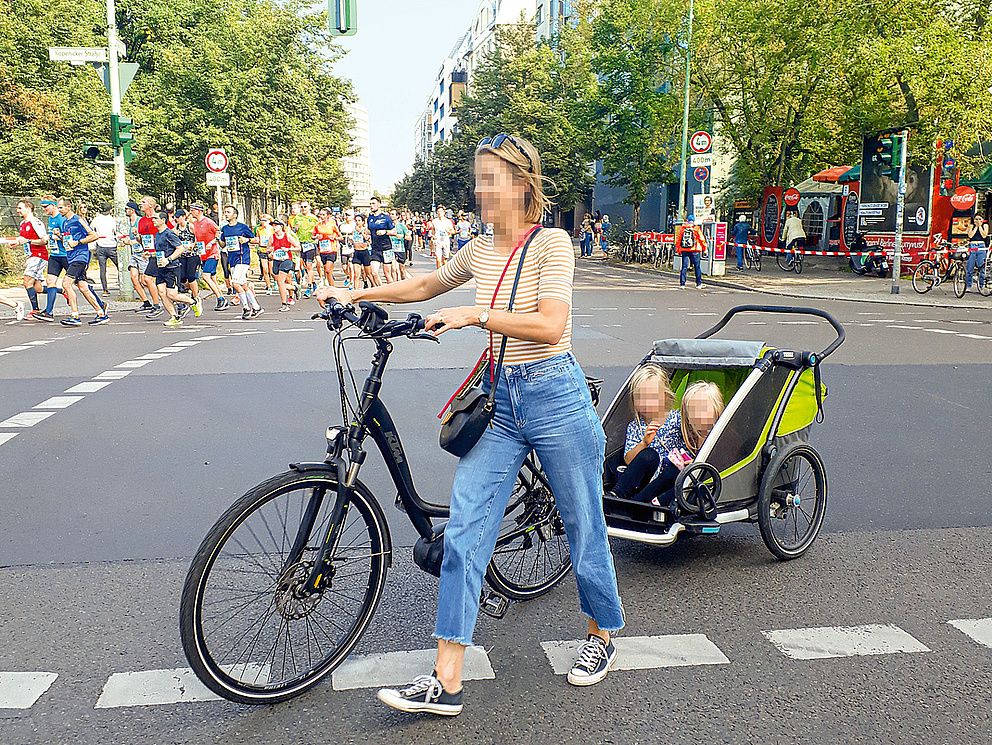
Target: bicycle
{"x": 288, "y": 579}
{"x": 942, "y": 266}
{"x": 752, "y": 256}
{"x": 789, "y": 261}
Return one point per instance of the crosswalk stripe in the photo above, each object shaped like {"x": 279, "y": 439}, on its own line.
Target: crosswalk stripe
{"x": 152, "y": 356}
{"x": 398, "y": 668}
{"x": 643, "y": 652}
{"x": 89, "y": 387}
{"x": 112, "y": 375}
{"x": 133, "y": 363}
{"x": 22, "y": 690}
{"x": 153, "y": 687}
{"x": 26, "y": 419}
{"x": 58, "y": 402}
{"x": 7, "y": 437}
{"x": 840, "y": 641}
{"x": 979, "y": 629}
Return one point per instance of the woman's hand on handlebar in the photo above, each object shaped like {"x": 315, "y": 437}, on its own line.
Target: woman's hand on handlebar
{"x": 452, "y": 318}
{"x": 341, "y": 294}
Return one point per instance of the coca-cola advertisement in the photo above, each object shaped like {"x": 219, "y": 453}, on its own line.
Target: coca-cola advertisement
{"x": 879, "y": 192}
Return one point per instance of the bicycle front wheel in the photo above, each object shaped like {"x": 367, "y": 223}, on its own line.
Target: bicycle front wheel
{"x": 960, "y": 276}
{"x": 785, "y": 261}
{"x": 249, "y": 629}
{"x": 532, "y": 554}
{"x": 923, "y": 277}
{"x": 985, "y": 284}
{"x": 798, "y": 264}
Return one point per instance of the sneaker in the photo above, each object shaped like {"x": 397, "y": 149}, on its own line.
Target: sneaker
{"x": 19, "y": 311}
{"x": 40, "y": 315}
{"x": 292, "y": 302}
{"x": 245, "y": 314}
{"x": 221, "y": 304}
{"x": 198, "y": 308}
{"x": 740, "y": 269}
{"x": 284, "y": 307}
{"x": 230, "y": 290}
{"x": 106, "y": 293}
{"x": 30, "y": 315}
{"x": 268, "y": 291}
{"x": 145, "y": 307}
{"x": 424, "y": 694}
{"x": 594, "y": 661}
{"x": 99, "y": 319}
{"x": 71, "y": 321}
{"x": 306, "y": 293}
{"x": 155, "y": 312}
{"x": 234, "y": 300}
{"x": 173, "y": 322}
{"x": 257, "y": 312}
{"x": 182, "y": 309}
{"x": 699, "y": 286}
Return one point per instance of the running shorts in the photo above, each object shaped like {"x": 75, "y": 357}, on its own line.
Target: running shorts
{"x": 282, "y": 266}
{"x": 362, "y": 257}
{"x": 151, "y": 269}
{"x": 329, "y": 258}
{"x": 35, "y": 268}
{"x": 239, "y": 274}
{"x": 77, "y": 271}
{"x": 57, "y": 265}
{"x": 309, "y": 256}
{"x": 169, "y": 276}
{"x": 188, "y": 266}
{"x": 209, "y": 266}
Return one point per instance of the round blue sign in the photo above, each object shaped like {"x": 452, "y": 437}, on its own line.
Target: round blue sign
{"x": 950, "y": 163}
{"x": 702, "y": 173}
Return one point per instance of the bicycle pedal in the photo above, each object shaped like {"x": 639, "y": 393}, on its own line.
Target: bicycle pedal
{"x": 399, "y": 503}
{"x": 493, "y": 604}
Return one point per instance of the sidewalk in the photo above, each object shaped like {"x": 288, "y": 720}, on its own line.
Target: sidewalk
{"x": 822, "y": 279}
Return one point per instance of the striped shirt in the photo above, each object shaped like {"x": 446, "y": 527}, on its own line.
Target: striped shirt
{"x": 547, "y": 275}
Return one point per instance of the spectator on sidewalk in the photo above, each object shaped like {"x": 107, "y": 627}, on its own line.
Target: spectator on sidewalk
{"x": 741, "y": 232}
{"x": 689, "y": 242}
{"x": 105, "y": 227}
{"x": 978, "y": 251}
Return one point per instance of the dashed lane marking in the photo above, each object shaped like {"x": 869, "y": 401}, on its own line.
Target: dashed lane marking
{"x": 18, "y": 348}
{"x": 841, "y": 641}
{"x": 58, "y": 402}
{"x": 397, "y": 668}
{"x": 643, "y": 652}
{"x": 979, "y": 629}
{"x": 169, "y": 350}
{"x": 7, "y": 437}
{"x": 112, "y": 375}
{"x": 133, "y": 363}
{"x": 26, "y": 419}
{"x": 89, "y": 387}
{"x": 22, "y": 690}
{"x": 153, "y": 687}
{"x": 184, "y": 344}
{"x": 975, "y": 336}
{"x": 152, "y": 356}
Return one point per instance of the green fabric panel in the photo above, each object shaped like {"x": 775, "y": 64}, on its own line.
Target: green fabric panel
{"x": 801, "y": 409}
{"x": 728, "y": 381}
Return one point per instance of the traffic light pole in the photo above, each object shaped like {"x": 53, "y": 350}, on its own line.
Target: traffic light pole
{"x": 120, "y": 184}
{"x": 900, "y": 212}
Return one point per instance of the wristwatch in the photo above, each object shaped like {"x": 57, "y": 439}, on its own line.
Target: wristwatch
{"x": 484, "y": 317}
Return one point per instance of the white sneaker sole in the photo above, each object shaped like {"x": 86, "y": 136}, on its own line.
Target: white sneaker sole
{"x": 590, "y": 680}
{"x": 392, "y": 698}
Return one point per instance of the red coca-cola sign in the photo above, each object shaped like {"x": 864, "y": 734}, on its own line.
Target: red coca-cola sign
{"x": 964, "y": 198}
{"x": 791, "y": 197}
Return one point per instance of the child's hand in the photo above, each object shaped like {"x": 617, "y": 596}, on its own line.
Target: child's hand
{"x": 650, "y": 431}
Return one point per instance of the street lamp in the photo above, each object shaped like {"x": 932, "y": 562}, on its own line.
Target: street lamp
{"x": 685, "y": 119}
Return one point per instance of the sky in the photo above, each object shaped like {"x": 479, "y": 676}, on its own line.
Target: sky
{"x": 393, "y": 61}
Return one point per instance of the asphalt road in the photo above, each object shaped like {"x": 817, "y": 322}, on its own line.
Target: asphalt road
{"x": 107, "y": 499}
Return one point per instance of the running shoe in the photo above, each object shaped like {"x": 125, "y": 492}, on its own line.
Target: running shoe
{"x": 30, "y": 316}
{"x": 245, "y": 314}
{"x": 182, "y": 309}
{"x": 173, "y": 322}
{"x": 40, "y": 315}
{"x": 595, "y": 658}
{"x": 155, "y": 312}
{"x": 292, "y": 302}
{"x": 145, "y": 307}
{"x": 221, "y": 304}
{"x": 19, "y": 311}
{"x": 71, "y": 321}
{"x": 268, "y": 291}
{"x": 198, "y": 308}
{"x": 283, "y": 308}
{"x": 106, "y": 293}
{"x": 235, "y": 300}
{"x": 99, "y": 319}
{"x": 424, "y": 694}
{"x": 257, "y": 312}
{"x": 306, "y": 293}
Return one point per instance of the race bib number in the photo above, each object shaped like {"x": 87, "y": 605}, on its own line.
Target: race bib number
{"x": 231, "y": 243}
{"x": 27, "y": 248}
{"x": 201, "y": 247}
{"x": 147, "y": 242}
{"x": 325, "y": 247}
{"x": 280, "y": 254}
{"x": 308, "y": 247}
{"x": 160, "y": 257}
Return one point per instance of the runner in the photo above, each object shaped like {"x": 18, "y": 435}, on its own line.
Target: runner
{"x": 399, "y": 241}
{"x": 362, "y": 260}
{"x": 347, "y": 228}
{"x": 189, "y": 263}
{"x": 205, "y": 233}
{"x": 328, "y": 238}
{"x": 443, "y": 230}
{"x": 34, "y": 237}
{"x": 57, "y": 262}
{"x": 464, "y": 228}
{"x": 137, "y": 263}
{"x": 264, "y": 234}
{"x": 283, "y": 243}
{"x": 105, "y": 227}
{"x": 380, "y": 227}
{"x": 305, "y": 224}
{"x": 146, "y": 235}
{"x": 408, "y": 223}
{"x": 76, "y": 237}
{"x": 238, "y": 237}
{"x": 168, "y": 252}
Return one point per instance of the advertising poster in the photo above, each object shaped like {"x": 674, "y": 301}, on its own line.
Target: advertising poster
{"x": 703, "y": 207}
{"x": 720, "y": 245}
{"x": 877, "y": 212}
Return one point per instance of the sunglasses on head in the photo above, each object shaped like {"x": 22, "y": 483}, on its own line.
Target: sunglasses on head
{"x": 495, "y": 142}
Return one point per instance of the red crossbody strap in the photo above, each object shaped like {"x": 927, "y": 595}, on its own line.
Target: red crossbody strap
{"x": 492, "y": 303}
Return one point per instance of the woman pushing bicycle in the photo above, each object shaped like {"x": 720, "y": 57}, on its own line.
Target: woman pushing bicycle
{"x": 542, "y": 403}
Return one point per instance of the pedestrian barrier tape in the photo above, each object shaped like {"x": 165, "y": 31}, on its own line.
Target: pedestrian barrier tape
{"x": 884, "y": 252}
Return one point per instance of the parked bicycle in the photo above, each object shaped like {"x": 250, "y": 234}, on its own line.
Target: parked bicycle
{"x": 752, "y": 256}
{"x": 288, "y": 579}
{"x": 940, "y": 266}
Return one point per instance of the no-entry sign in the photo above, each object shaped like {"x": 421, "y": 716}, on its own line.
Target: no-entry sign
{"x": 216, "y": 160}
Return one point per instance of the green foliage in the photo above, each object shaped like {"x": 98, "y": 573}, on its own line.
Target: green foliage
{"x": 252, "y": 76}
{"x": 446, "y": 176}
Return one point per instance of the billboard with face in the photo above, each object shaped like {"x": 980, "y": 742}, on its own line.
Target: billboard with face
{"x": 877, "y": 211}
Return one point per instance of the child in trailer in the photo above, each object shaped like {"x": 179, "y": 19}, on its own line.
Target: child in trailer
{"x": 658, "y": 447}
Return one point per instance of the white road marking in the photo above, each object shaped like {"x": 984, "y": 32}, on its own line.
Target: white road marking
{"x": 22, "y": 690}
{"x": 133, "y": 363}
{"x": 89, "y": 387}
{"x": 979, "y": 629}
{"x": 26, "y": 419}
{"x": 941, "y": 331}
{"x": 803, "y": 323}
{"x": 153, "y": 687}
{"x": 58, "y": 402}
{"x": 166, "y": 350}
{"x": 963, "y": 321}
{"x": 40, "y": 342}
{"x": 975, "y": 336}
{"x": 602, "y": 309}
{"x": 207, "y": 338}
{"x": 3, "y": 353}
{"x": 7, "y": 437}
{"x": 756, "y": 323}
{"x": 702, "y": 314}
{"x": 284, "y": 331}
{"x": 18, "y": 348}
{"x": 122, "y": 333}
{"x": 908, "y": 328}
{"x": 112, "y": 375}
{"x": 185, "y": 344}
{"x": 643, "y": 652}
{"x": 838, "y": 641}
{"x": 397, "y": 668}
{"x": 152, "y": 356}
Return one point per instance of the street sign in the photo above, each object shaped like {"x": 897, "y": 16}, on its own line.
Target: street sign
{"x": 701, "y": 174}
{"x": 218, "y": 179}
{"x": 125, "y": 74}
{"x": 950, "y": 163}
{"x": 77, "y": 55}
{"x": 791, "y": 197}
{"x": 216, "y": 160}
{"x": 701, "y": 142}
{"x": 701, "y": 159}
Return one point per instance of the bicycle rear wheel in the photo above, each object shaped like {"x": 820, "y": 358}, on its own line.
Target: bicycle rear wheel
{"x": 797, "y": 264}
{"x": 248, "y": 630}
{"x": 532, "y": 554}
{"x": 923, "y": 277}
{"x": 985, "y": 288}
{"x": 960, "y": 276}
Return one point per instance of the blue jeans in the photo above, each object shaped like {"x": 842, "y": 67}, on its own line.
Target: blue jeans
{"x": 545, "y": 407}
{"x": 740, "y": 255}
{"x": 976, "y": 259}
{"x": 693, "y": 257}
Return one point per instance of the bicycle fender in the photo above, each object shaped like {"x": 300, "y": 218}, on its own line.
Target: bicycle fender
{"x": 316, "y": 466}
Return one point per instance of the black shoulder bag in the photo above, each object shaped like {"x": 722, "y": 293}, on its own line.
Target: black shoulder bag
{"x": 470, "y": 411}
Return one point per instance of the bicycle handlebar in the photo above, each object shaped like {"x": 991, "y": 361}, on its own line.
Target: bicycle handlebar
{"x": 373, "y": 321}
{"x": 783, "y": 309}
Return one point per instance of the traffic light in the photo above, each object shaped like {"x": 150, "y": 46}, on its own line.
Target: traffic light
{"x": 122, "y": 135}
{"x": 342, "y": 17}
{"x": 890, "y": 155}
{"x": 947, "y": 176}
{"x": 91, "y": 151}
